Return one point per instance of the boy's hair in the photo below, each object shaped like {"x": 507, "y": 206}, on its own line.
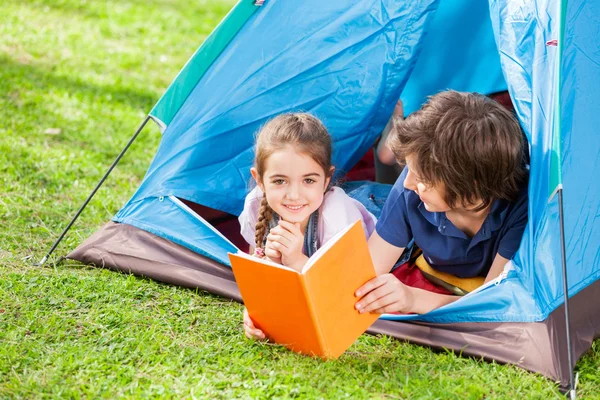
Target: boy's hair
{"x": 468, "y": 143}
{"x": 306, "y": 135}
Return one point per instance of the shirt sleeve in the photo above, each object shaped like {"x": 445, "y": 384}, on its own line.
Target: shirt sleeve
{"x": 515, "y": 226}
{"x": 340, "y": 210}
{"x": 249, "y": 216}
{"x": 393, "y": 225}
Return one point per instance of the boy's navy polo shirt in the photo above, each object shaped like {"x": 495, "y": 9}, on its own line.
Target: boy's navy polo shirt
{"x": 445, "y": 247}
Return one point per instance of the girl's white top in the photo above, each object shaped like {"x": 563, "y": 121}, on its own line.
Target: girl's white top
{"x": 337, "y": 212}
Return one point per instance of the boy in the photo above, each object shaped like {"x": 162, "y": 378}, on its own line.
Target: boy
{"x": 462, "y": 197}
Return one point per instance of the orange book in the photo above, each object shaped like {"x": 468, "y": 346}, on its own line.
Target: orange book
{"x": 312, "y": 311}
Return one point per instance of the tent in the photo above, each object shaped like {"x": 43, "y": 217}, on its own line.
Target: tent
{"x": 348, "y": 63}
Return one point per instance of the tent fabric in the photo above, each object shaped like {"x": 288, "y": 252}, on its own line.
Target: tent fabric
{"x": 348, "y": 65}
{"x": 525, "y": 33}
{"x": 533, "y": 346}
{"x": 207, "y": 149}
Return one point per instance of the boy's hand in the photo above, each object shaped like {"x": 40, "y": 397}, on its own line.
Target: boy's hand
{"x": 385, "y": 294}
{"x": 287, "y": 239}
{"x": 251, "y": 331}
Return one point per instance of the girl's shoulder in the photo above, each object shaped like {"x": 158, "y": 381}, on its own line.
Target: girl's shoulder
{"x": 337, "y": 196}
{"x": 254, "y": 198}
{"x": 340, "y": 210}
{"x": 249, "y": 215}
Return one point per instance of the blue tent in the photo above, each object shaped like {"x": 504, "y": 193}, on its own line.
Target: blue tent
{"x": 348, "y": 64}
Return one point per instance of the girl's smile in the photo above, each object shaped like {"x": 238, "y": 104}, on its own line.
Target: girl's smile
{"x": 294, "y": 208}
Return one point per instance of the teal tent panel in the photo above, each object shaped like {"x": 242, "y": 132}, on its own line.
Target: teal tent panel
{"x": 170, "y": 103}
{"x": 527, "y": 35}
{"x": 580, "y": 152}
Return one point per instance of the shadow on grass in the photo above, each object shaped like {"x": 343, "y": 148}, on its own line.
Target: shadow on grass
{"x": 42, "y": 79}
{"x": 105, "y": 6}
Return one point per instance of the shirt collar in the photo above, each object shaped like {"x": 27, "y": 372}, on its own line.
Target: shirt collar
{"x": 492, "y": 222}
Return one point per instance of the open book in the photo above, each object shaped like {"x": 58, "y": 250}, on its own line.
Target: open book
{"x": 311, "y": 312}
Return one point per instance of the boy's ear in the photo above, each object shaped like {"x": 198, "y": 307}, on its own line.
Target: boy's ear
{"x": 256, "y": 177}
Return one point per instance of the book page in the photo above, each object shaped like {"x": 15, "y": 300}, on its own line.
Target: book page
{"x": 263, "y": 261}
{"x": 323, "y": 249}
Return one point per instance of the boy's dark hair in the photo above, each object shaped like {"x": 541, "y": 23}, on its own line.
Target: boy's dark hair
{"x": 467, "y": 142}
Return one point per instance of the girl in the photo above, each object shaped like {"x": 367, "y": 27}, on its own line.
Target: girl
{"x": 293, "y": 210}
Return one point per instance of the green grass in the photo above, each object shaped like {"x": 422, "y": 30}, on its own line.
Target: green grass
{"x": 76, "y": 79}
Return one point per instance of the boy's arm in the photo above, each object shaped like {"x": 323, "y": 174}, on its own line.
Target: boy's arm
{"x": 496, "y": 268}
{"x": 384, "y": 153}
{"x": 386, "y": 294}
{"x": 383, "y": 254}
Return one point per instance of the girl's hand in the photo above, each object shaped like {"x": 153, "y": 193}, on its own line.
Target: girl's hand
{"x": 271, "y": 253}
{"x": 251, "y": 331}
{"x": 385, "y": 294}
{"x": 287, "y": 239}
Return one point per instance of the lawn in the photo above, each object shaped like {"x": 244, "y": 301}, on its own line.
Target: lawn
{"x": 76, "y": 79}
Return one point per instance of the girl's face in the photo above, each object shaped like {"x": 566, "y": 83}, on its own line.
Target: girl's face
{"x": 431, "y": 196}
{"x": 293, "y": 183}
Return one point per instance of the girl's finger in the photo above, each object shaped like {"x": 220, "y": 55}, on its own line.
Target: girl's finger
{"x": 273, "y": 254}
{"x": 281, "y": 231}
{"x": 253, "y": 333}
{"x": 294, "y": 229}
{"x": 247, "y": 319}
{"x": 278, "y": 246}
{"x": 279, "y": 238}
{"x": 282, "y": 249}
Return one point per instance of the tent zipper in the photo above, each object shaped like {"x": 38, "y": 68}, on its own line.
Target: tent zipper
{"x": 496, "y": 281}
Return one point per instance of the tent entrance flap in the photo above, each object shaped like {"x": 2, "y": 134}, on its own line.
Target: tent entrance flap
{"x": 201, "y": 220}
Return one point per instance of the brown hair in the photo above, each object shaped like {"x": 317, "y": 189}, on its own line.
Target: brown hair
{"x": 467, "y": 142}
{"x": 306, "y": 134}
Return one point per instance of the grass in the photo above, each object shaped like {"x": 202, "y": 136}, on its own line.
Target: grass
{"x": 76, "y": 79}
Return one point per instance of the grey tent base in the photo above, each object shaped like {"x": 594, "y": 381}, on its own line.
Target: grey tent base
{"x": 538, "y": 347}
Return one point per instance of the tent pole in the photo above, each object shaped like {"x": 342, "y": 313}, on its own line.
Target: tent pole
{"x": 572, "y": 388}
{"x": 114, "y": 164}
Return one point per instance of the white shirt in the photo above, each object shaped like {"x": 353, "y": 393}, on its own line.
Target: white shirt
{"x": 337, "y": 211}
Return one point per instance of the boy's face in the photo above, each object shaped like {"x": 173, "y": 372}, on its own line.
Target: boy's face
{"x": 431, "y": 196}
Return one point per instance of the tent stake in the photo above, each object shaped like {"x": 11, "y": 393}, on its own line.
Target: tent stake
{"x": 114, "y": 164}
{"x": 572, "y": 388}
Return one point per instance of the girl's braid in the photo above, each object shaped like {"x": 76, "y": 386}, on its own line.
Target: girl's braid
{"x": 262, "y": 223}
